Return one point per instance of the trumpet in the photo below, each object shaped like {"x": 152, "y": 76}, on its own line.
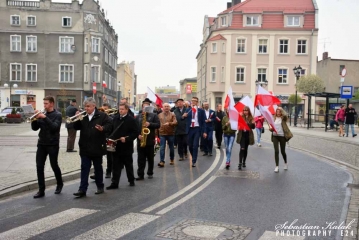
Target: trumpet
{"x": 33, "y": 117}
{"x": 77, "y": 117}
{"x": 111, "y": 111}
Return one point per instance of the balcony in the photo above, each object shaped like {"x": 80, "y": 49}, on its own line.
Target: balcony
{"x": 110, "y": 92}
{"x": 14, "y": 3}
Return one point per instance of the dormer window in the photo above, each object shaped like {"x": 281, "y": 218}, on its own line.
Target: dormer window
{"x": 293, "y": 21}
{"x": 223, "y": 21}
{"x": 252, "y": 21}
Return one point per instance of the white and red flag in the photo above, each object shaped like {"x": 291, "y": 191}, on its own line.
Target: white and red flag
{"x": 154, "y": 97}
{"x": 236, "y": 121}
{"x": 246, "y": 101}
{"x": 104, "y": 84}
{"x": 94, "y": 88}
{"x": 265, "y": 98}
{"x": 267, "y": 115}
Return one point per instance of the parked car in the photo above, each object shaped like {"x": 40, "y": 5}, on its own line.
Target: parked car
{"x": 25, "y": 111}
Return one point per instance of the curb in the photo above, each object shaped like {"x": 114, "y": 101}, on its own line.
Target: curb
{"x": 32, "y": 185}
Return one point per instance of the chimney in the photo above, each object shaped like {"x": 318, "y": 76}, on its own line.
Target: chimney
{"x": 325, "y": 55}
{"x": 235, "y": 2}
{"x": 229, "y": 4}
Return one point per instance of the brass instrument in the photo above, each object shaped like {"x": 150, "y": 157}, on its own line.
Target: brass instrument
{"x": 111, "y": 111}
{"x": 77, "y": 117}
{"x": 145, "y": 131}
{"x": 33, "y": 117}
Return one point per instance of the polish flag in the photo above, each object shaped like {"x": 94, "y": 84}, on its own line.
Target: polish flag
{"x": 267, "y": 115}
{"x": 264, "y": 98}
{"x": 154, "y": 97}
{"x": 94, "y": 88}
{"x": 226, "y": 102}
{"x": 104, "y": 84}
{"x": 236, "y": 121}
{"x": 246, "y": 101}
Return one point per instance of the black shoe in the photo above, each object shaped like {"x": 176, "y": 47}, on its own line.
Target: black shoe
{"x": 99, "y": 191}
{"x": 93, "y": 177}
{"x": 227, "y": 166}
{"x": 354, "y": 135}
{"x": 71, "y": 151}
{"x": 108, "y": 175}
{"x": 244, "y": 165}
{"x": 150, "y": 176}
{"x": 193, "y": 165}
{"x": 219, "y": 147}
{"x": 39, "y": 195}
{"x": 80, "y": 194}
{"x": 140, "y": 179}
{"x": 240, "y": 167}
{"x": 58, "y": 189}
{"x": 132, "y": 184}
{"x": 112, "y": 186}
{"x": 205, "y": 154}
{"x": 210, "y": 154}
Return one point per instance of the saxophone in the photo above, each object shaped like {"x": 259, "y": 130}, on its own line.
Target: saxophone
{"x": 145, "y": 131}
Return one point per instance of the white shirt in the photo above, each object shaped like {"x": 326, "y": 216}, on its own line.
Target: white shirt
{"x": 207, "y": 113}
{"x": 91, "y": 115}
{"x": 278, "y": 127}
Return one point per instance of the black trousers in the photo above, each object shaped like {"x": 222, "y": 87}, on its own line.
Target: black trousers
{"x": 219, "y": 137}
{"x": 244, "y": 147}
{"x": 143, "y": 154}
{"x": 120, "y": 160}
{"x": 109, "y": 156}
{"x": 71, "y": 136}
{"x": 41, "y": 155}
{"x": 181, "y": 145}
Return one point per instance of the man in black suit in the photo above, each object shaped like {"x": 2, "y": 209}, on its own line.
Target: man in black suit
{"x": 180, "y": 133}
{"x": 218, "y": 125}
{"x": 124, "y": 130}
{"x": 124, "y": 101}
{"x": 71, "y": 132}
{"x": 92, "y": 143}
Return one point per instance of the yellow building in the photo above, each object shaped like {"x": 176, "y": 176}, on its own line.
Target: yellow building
{"x": 166, "y": 90}
{"x": 125, "y": 78}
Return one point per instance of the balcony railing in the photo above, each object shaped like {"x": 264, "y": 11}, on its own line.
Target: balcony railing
{"x": 110, "y": 92}
{"x": 14, "y": 3}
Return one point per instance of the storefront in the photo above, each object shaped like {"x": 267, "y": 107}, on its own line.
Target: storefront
{"x": 21, "y": 97}
{"x": 63, "y": 97}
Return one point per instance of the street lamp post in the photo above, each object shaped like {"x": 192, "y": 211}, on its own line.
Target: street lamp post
{"x": 129, "y": 98}
{"x": 297, "y": 71}
{"x": 9, "y": 85}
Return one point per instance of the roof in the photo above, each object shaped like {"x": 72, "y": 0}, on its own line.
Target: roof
{"x": 211, "y": 20}
{"x": 217, "y": 37}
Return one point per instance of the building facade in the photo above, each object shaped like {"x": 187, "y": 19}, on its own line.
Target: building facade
{"x": 257, "y": 40}
{"x": 126, "y": 78}
{"x": 57, "y": 49}
{"x": 188, "y": 88}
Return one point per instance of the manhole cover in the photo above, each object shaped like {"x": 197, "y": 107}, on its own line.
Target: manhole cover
{"x": 195, "y": 230}
{"x": 238, "y": 174}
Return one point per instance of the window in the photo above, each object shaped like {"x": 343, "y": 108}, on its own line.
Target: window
{"x": 15, "y": 43}
{"x": 293, "y": 21}
{"x": 213, "y": 74}
{"x": 239, "y": 74}
{"x": 224, "y": 21}
{"x": 106, "y": 78}
{"x": 262, "y": 75}
{"x": 66, "y": 21}
{"x": 31, "y": 72}
{"x": 252, "y": 21}
{"x": 222, "y": 75}
{"x": 86, "y": 44}
{"x": 106, "y": 55}
{"x": 214, "y": 47}
{"x": 302, "y": 47}
{"x": 109, "y": 59}
{"x": 110, "y": 82}
{"x": 341, "y": 67}
{"x": 15, "y": 20}
{"x": 282, "y": 75}
{"x": 95, "y": 73}
{"x": 241, "y": 45}
{"x": 86, "y": 73}
{"x": 15, "y": 69}
{"x": 66, "y": 73}
{"x": 31, "y": 44}
{"x": 31, "y": 21}
{"x": 262, "y": 47}
{"x": 283, "y": 46}
{"x": 65, "y": 44}
{"x": 303, "y": 72}
{"x": 223, "y": 47}
{"x": 96, "y": 45}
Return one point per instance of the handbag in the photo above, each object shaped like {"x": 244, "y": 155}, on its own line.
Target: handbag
{"x": 262, "y": 129}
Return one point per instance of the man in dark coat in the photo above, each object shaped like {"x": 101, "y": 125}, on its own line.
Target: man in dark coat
{"x": 124, "y": 100}
{"x": 124, "y": 131}
{"x": 92, "y": 144}
{"x": 218, "y": 125}
{"x": 71, "y": 132}
{"x": 350, "y": 116}
{"x": 181, "y": 134}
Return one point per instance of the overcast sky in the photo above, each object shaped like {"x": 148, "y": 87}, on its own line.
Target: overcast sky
{"x": 163, "y": 36}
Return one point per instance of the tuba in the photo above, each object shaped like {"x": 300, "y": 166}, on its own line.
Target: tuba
{"x": 145, "y": 131}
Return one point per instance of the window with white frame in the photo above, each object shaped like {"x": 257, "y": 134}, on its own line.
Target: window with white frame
{"x": 15, "y": 70}
{"x": 15, "y": 45}
{"x": 302, "y": 72}
{"x": 66, "y": 73}
{"x": 96, "y": 45}
{"x": 214, "y": 47}
{"x": 65, "y": 44}
{"x": 222, "y": 74}
{"x": 252, "y": 21}
{"x": 31, "y": 21}
{"x": 262, "y": 46}
{"x": 31, "y": 72}
{"x": 293, "y": 21}
{"x": 262, "y": 75}
{"x": 213, "y": 74}
{"x": 241, "y": 45}
{"x": 109, "y": 59}
{"x": 31, "y": 43}
{"x": 15, "y": 20}
{"x": 282, "y": 75}
{"x": 223, "y": 47}
{"x": 302, "y": 47}
{"x": 106, "y": 55}
{"x": 86, "y": 73}
{"x": 283, "y": 46}
{"x": 66, "y": 21}
{"x": 86, "y": 44}
{"x": 95, "y": 73}
{"x": 106, "y": 78}
{"x": 239, "y": 74}
{"x": 110, "y": 78}
{"x": 224, "y": 21}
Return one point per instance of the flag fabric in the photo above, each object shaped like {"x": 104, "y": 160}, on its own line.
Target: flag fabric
{"x": 264, "y": 98}
{"x": 236, "y": 121}
{"x": 267, "y": 115}
{"x": 154, "y": 97}
{"x": 94, "y": 88}
{"x": 226, "y": 102}
{"x": 247, "y": 101}
{"x": 104, "y": 84}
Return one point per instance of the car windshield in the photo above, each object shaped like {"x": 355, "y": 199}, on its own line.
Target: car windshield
{"x": 7, "y": 110}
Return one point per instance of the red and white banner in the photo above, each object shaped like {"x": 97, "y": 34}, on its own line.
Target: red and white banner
{"x": 94, "y": 88}
{"x": 104, "y": 84}
{"x": 267, "y": 115}
{"x": 188, "y": 88}
{"x": 154, "y": 97}
{"x": 236, "y": 121}
{"x": 246, "y": 101}
{"x": 264, "y": 98}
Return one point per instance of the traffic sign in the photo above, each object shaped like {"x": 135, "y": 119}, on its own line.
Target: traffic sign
{"x": 346, "y": 92}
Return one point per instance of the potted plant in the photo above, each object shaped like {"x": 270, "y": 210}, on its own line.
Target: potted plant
{"x": 13, "y": 117}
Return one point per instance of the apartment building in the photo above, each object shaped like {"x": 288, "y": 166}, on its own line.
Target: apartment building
{"x": 188, "y": 88}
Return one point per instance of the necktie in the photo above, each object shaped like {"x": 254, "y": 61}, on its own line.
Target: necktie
{"x": 193, "y": 116}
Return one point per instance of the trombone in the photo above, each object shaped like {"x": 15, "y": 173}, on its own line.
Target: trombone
{"x": 33, "y": 117}
{"x": 77, "y": 117}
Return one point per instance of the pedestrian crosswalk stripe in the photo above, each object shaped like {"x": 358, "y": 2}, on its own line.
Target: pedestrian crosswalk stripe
{"x": 268, "y": 235}
{"x": 45, "y": 224}
{"x": 16, "y": 210}
{"x": 118, "y": 227}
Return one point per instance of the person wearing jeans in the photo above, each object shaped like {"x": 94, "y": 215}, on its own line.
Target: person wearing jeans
{"x": 228, "y": 137}
{"x": 350, "y": 116}
{"x": 259, "y": 125}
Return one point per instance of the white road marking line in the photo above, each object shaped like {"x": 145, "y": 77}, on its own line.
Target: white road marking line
{"x": 118, "y": 227}
{"x": 45, "y": 224}
{"x": 187, "y": 197}
{"x": 268, "y": 235}
{"x": 16, "y": 210}
{"x": 193, "y": 184}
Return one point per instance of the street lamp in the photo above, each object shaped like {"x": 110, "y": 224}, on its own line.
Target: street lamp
{"x": 9, "y": 85}
{"x": 262, "y": 83}
{"x": 297, "y": 71}
{"x": 118, "y": 93}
